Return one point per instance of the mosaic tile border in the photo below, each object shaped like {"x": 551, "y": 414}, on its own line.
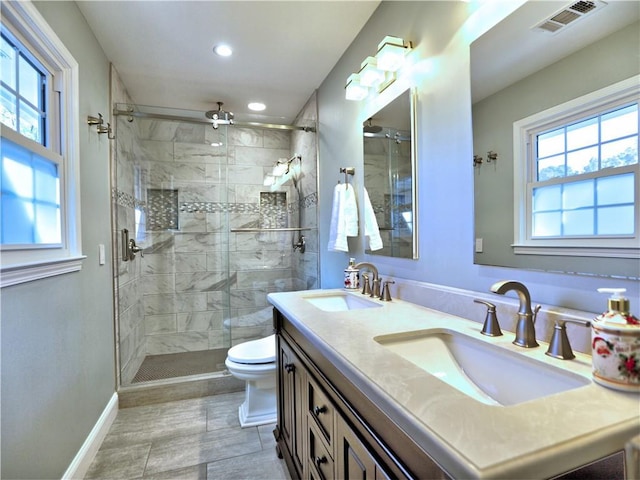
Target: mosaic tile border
{"x": 126, "y": 200}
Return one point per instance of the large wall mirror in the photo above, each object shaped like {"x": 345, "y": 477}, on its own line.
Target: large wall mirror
{"x": 518, "y": 71}
{"x": 390, "y": 173}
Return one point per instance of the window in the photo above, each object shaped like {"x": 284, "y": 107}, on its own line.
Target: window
{"x": 39, "y": 216}
{"x": 577, "y": 176}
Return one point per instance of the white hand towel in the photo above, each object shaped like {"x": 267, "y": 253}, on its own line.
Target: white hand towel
{"x": 371, "y": 229}
{"x": 344, "y": 218}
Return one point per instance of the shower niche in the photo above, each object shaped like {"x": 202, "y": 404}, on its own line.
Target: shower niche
{"x": 162, "y": 209}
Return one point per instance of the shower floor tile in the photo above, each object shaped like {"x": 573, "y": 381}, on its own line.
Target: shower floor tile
{"x": 171, "y": 365}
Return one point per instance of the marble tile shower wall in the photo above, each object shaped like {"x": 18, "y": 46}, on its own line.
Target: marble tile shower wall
{"x": 202, "y": 286}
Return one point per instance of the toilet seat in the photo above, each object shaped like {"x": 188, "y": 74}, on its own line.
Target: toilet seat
{"x": 253, "y": 352}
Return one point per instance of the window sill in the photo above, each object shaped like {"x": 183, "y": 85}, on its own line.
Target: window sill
{"x": 576, "y": 251}
{"x": 17, "y": 274}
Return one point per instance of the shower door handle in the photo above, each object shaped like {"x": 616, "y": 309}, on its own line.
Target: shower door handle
{"x": 133, "y": 249}
{"x": 129, "y": 247}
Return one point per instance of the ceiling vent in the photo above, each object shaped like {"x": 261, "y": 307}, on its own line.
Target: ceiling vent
{"x": 568, "y": 15}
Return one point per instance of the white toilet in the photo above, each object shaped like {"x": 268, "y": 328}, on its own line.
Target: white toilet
{"x": 255, "y": 363}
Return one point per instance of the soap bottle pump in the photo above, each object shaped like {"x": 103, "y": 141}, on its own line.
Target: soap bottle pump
{"x": 351, "y": 275}
{"x": 615, "y": 343}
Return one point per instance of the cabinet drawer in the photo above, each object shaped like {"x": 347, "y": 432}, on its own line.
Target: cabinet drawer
{"x": 321, "y": 411}
{"x": 320, "y": 460}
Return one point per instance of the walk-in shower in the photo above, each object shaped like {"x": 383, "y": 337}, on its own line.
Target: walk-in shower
{"x": 214, "y": 239}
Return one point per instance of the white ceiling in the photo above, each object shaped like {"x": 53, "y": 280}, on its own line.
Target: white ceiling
{"x": 511, "y": 50}
{"x": 283, "y": 50}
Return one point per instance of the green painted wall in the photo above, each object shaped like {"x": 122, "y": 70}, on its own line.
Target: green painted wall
{"x": 58, "y": 367}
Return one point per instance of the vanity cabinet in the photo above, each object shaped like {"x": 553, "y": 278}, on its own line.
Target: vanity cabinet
{"x": 291, "y": 402}
{"x": 327, "y": 428}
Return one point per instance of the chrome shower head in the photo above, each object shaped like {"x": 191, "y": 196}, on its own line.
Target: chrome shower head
{"x": 370, "y": 128}
{"x": 219, "y": 117}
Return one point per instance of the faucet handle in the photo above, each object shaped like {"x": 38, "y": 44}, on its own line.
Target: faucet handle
{"x": 386, "y": 294}
{"x": 491, "y": 326}
{"x": 559, "y": 346}
{"x": 366, "y": 287}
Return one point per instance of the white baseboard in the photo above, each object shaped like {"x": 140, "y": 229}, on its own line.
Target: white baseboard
{"x": 80, "y": 464}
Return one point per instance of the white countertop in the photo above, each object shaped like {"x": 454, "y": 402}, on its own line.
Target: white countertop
{"x": 469, "y": 439}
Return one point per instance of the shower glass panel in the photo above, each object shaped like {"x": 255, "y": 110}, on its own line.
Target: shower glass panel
{"x": 213, "y": 245}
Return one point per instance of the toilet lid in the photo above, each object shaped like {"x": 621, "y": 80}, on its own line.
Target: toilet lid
{"x": 262, "y": 350}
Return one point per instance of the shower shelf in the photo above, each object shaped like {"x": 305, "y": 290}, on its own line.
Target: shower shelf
{"x": 245, "y": 230}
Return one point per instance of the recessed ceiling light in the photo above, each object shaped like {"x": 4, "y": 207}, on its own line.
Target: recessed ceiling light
{"x": 257, "y": 106}
{"x": 223, "y": 50}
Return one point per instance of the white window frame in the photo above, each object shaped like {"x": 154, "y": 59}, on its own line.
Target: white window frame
{"x": 524, "y": 173}
{"x": 19, "y": 265}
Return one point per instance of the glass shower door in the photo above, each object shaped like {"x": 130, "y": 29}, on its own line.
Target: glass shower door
{"x": 173, "y": 297}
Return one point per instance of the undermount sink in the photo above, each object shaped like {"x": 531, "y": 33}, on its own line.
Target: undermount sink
{"x": 485, "y": 372}
{"x": 340, "y": 302}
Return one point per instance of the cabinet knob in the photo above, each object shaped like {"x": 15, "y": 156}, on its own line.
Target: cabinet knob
{"x": 318, "y": 410}
{"x": 320, "y": 460}
{"x": 289, "y": 367}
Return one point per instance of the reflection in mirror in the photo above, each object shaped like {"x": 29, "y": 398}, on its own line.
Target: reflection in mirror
{"x": 517, "y": 72}
{"x": 389, "y": 175}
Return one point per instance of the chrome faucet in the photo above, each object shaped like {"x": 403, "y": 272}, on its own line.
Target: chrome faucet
{"x": 375, "y": 287}
{"x": 525, "y": 328}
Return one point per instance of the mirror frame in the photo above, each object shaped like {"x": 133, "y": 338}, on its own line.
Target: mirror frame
{"x": 413, "y": 102}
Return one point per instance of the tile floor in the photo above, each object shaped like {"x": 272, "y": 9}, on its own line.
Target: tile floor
{"x": 188, "y": 439}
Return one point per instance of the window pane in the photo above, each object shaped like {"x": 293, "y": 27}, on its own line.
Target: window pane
{"x": 547, "y": 224}
{"x": 578, "y": 195}
{"x": 552, "y": 167}
{"x": 47, "y": 224}
{"x": 8, "y": 65}
{"x": 31, "y": 210}
{"x": 582, "y": 134}
{"x": 615, "y": 220}
{"x": 30, "y": 125}
{"x": 17, "y": 221}
{"x": 620, "y": 153}
{"x": 551, "y": 143}
{"x": 578, "y": 222}
{"x": 16, "y": 178}
{"x": 47, "y": 183}
{"x": 616, "y": 189}
{"x": 582, "y": 161}
{"x": 547, "y": 198}
{"x": 29, "y": 82}
{"x": 8, "y": 104}
{"x": 620, "y": 123}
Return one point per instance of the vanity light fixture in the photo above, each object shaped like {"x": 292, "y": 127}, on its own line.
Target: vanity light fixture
{"x": 370, "y": 74}
{"x": 354, "y": 90}
{"x": 391, "y": 53}
{"x": 377, "y": 73}
{"x": 280, "y": 168}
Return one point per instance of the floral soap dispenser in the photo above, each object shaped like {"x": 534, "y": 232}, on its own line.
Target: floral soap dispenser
{"x": 615, "y": 343}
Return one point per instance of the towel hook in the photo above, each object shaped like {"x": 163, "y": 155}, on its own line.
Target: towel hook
{"x": 347, "y": 171}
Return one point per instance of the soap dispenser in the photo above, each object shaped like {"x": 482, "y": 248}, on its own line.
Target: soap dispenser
{"x": 615, "y": 343}
{"x": 351, "y": 275}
